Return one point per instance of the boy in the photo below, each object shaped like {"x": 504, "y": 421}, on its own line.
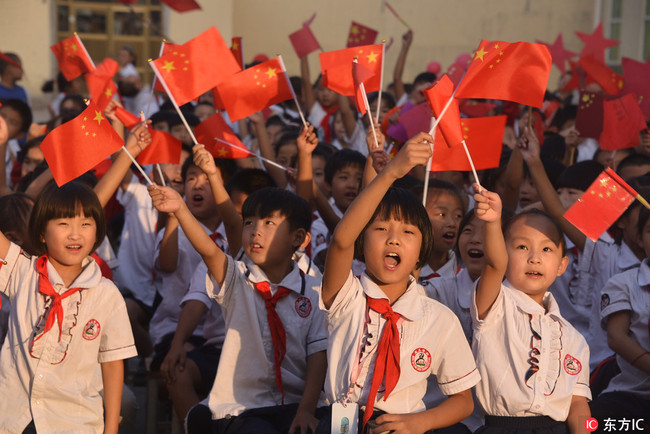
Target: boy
{"x": 10, "y": 73}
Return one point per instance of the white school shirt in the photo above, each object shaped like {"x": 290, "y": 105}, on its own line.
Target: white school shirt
{"x": 357, "y": 140}
{"x": 600, "y": 261}
{"x": 503, "y": 344}
{"x": 315, "y": 117}
{"x": 138, "y": 242}
{"x": 448, "y": 269}
{"x": 431, "y": 343}
{"x": 630, "y": 291}
{"x": 214, "y": 328}
{"x": 50, "y": 381}
{"x": 246, "y": 374}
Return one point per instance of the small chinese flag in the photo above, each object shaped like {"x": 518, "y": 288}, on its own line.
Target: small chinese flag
{"x": 636, "y": 81}
{"x": 622, "y": 121}
{"x": 360, "y": 74}
{"x": 304, "y": 41}
{"x": 254, "y": 89}
{"x": 127, "y": 118}
{"x": 416, "y": 119}
{"x": 335, "y": 67}
{"x": 77, "y": 146}
{"x": 182, "y": 5}
{"x": 475, "y": 109}
{"x": 601, "y": 205}
{"x": 484, "y": 139}
{"x": 449, "y": 124}
{"x": 238, "y": 50}
{"x": 589, "y": 117}
{"x": 213, "y": 129}
{"x": 196, "y": 66}
{"x": 608, "y": 80}
{"x": 73, "y": 57}
{"x": 100, "y": 83}
{"x": 516, "y": 72}
{"x": 167, "y": 47}
{"x": 360, "y": 35}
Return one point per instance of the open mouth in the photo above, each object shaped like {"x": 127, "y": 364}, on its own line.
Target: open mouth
{"x": 534, "y": 274}
{"x": 449, "y": 236}
{"x": 350, "y": 195}
{"x": 197, "y": 199}
{"x": 74, "y": 247}
{"x": 475, "y": 253}
{"x": 392, "y": 260}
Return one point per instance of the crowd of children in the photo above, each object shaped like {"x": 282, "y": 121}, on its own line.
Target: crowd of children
{"x": 325, "y": 295}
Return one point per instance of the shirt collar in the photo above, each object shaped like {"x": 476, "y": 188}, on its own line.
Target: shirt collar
{"x": 408, "y": 305}
{"x": 626, "y": 258}
{"x": 465, "y": 288}
{"x": 531, "y": 307}
{"x": 643, "y": 278}
{"x": 89, "y": 277}
{"x": 292, "y": 281}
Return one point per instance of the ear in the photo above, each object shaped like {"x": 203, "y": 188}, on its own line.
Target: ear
{"x": 307, "y": 240}
{"x": 563, "y": 264}
{"x": 298, "y": 237}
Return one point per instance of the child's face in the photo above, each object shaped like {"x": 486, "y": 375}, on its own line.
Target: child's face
{"x": 13, "y": 120}
{"x": 286, "y": 153}
{"x": 180, "y": 132}
{"x": 173, "y": 173}
{"x": 33, "y": 158}
{"x": 534, "y": 259}
{"x": 527, "y": 193}
{"x": 204, "y": 111}
{"x": 445, "y": 213}
{"x": 345, "y": 185}
{"x": 124, "y": 57}
{"x": 326, "y": 97}
{"x": 318, "y": 174}
{"x": 161, "y": 126}
{"x": 470, "y": 246}
{"x": 628, "y": 223}
{"x": 339, "y": 127}
{"x": 269, "y": 241}
{"x": 568, "y": 196}
{"x": 69, "y": 240}
{"x": 198, "y": 194}
{"x": 384, "y": 109}
{"x": 391, "y": 250}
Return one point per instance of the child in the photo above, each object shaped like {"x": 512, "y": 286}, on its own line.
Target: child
{"x": 533, "y": 363}
{"x": 10, "y": 73}
{"x": 382, "y": 327}
{"x": 271, "y": 315}
{"x": 625, "y": 315}
{"x": 67, "y": 322}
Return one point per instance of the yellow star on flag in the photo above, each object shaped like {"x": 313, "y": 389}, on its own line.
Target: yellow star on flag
{"x": 235, "y": 45}
{"x": 372, "y": 57}
{"x": 98, "y": 117}
{"x": 480, "y": 53}
{"x": 222, "y": 152}
{"x": 271, "y": 73}
{"x": 354, "y": 30}
{"x": 168, "y": 66}
{"x": 108, "y": 93}
{"x": 73, "y": 46}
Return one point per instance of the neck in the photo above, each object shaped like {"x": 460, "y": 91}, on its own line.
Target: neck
{"x": 7, "y": 82}
{"x": 277, "y": 272}
{"x": 438, "y": 259}
{"x": 68, "y": 273}
{"x": 392, "y": 290}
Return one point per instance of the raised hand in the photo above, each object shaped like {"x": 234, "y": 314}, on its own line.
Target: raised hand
{"x": 488, "y": 205}
{"x": 204, "y": 160}
{"x": 528, "y": 144}
{"x": 416, "y": 151}
{"x": 370, "y": 137}
{"x": 307, "y": 140}
{"x": 165, "y": 199}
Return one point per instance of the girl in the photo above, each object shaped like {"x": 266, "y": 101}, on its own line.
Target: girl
{"x": 66, "y": 322}
{"x": 534, "y": 364}
{"x": 382, "y": 327}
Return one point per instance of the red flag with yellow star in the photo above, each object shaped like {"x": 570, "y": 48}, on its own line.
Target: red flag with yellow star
{"x": 601, "y": 205}
{"x": 254, "y": 89}
{"x": 622, "y": 121}
{"x": 196, "y": 66}
{"x": 360, "y": 74}
{"x": 449, "y": 124}
{"x": 360, "y": 35}
{"x": 100, "y": 83}
{"x": 167, "y": 47}
{"x": 213, "y": 129}
{"x": 608, "y": 80}
{"x": 636, "y": 80}
{"x": 77, "y": 146}
{"x": 238, "y": 50}
{"x": 304, "y": 41}
{"x": 484, "y": 139}
{"x": 73, "y": 57}
{"x": 589, "y": 117}
{"x": 337, "y": 75}
{"x": 516, "y": 72}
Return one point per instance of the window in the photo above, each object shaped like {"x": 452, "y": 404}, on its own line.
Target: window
{"x": 646, "y": 32}
{"x": 105, "y": 25}
{"x": 615, "y": 24}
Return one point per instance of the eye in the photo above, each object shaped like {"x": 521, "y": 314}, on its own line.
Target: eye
{"x": 269, "y": 222}
{"x": 248, "y": 222}
{"x": 521, "y": 247}
{"x": 547, "y": 249}
{"x": 409, "y": 231}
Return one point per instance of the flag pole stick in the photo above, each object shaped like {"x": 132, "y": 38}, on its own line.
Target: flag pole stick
{"x": 265, "y": 160}
{"x": 397, "y": 16}
{"x": 293, "y": 93}
{"x": 171, "y": 98}
{"x": 427, "y": 173}
{"x": 471, "y": 163}
{"x": 381, "y": 78}
{"x": 137, "y": 165}
{"x": 84, "y": 48}
{"x": 365, "y": 102}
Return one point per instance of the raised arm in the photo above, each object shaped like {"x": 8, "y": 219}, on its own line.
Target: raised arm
{"x": 166, "y": 199}
{"x": 231, "y": 219}
{"x": 307, "y": 142}
{"x": 348, "y": 116}
{"x": 488, "y": 209}
{"x": 377, "y": 158}
{"x": 307, "y": 89}
{"x": 619, "y": 340}
{"x": 407, "y": 38}
{"x": 416, "y": 151}
{"x": 266, "y": 149}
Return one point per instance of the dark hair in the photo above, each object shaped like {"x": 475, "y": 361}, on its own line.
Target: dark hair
{"x": 633, "y": 160}
{"x": 438, "y": 186}
{"x": 23, "y": 111}
{"x": 563, "y": 115}
{"x": 249, "y": 181}
{"x": 552, "y": 167}
{"x": 275, "y": 120}
{"x": 342, "y": 159}
{"x": 385, "y": 97}
{"x": 66, "y": 201}
{"x": 4, "y": 63}
{"x": 289, "y": 137}
{"x": 33, "y": 143}
{"x": 174, "y": 119}
{"x": 263, "y": 203}
{"x": 162, "y": 116}
{"x": 580, "y": 175}
{"x": 402, "y": 205}
{"x": 226, "y": 166}
{"x": 69, "y": 114}
{"x": 129, "y": 49}
{"x": 425, "y": 77}
{"x": 324, "y": 150}
{"x": 644, "y": 215}
{"x": 557, "y": 238}
{"x": 14, "y": 215}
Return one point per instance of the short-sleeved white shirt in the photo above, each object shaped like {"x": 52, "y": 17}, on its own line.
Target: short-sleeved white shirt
{"x": 431, "y": 343}
{"x": 54, "y": 382}
{"x": 456, "y": 293}
{"x": 214, "y": 328}
{"x": 315, "y": 117}
{"x": 246, "y": 374}
{"x": 357, "y": 140}
{"x": 138, "y": 242}
{"x": 503, "y": 344}
{"x": 630, "y": 291}
{"x": 448, "y": 269}
{"x": 600, "y": 261}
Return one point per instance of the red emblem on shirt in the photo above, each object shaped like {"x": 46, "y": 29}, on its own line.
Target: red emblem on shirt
{"x": 421, "y": 359}
{"x": 572, "y": 366}
{"x": 91, "y": 330}
{"x": 303, "y": 307}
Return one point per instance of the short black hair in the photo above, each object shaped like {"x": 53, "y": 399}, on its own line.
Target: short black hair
{"x": 425, "y": 77}
{"x": 263, "y": 203}
{"x": 438, "y": 186}
{"x": 275, "y": 120}
{"x": 64, "y": 202}
{"x": 14, "y": 215}
{"x": 580, "y": 175}
{"x": 23, "y": 110}
{"x": 175, "y": 119}
{"x": 342, "y": 159}
{"x": 557, "y": 237}
{"x": 289, "y": 137}
{"x": 226, "y": 166}
{"x": 633, "y": 160}
{"x": 402, "y": 205}
{"x": 161, "y": 116}
{"x": 4, "y": 63}
{"x": 385, "y": 97}
{"x": 249, "y": 180}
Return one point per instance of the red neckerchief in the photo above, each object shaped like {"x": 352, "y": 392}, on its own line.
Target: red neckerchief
{"x": 325, "y": 123}
{"x": 388, "y": 354}
{"x": 278, "y": 334}
{"x": 46, "y": 288}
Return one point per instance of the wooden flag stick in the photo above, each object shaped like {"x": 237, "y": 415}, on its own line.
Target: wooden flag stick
{"x": 137, "y": 165}
{"x": 84, "y": 48}
{"x": 427, "y": 173}
{"x": 293, "y": 93}
{"x": 397, "y": 15}
{"x": 259, "y": 157}
{"x": 381, "y": 78}
{"x": 365, "y": 102}
{"x": 471, "y": 163}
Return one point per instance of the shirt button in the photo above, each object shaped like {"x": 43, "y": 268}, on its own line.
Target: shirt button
{"x": 38, "y": 402}
{"x": 40, "y": 375}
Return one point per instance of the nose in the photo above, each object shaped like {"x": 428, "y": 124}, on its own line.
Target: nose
{"x": 533, "y": 256}
{"x": 393, "y": 238}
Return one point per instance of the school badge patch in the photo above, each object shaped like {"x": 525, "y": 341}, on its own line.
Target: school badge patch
{"x": 572, "y": 366}
{"x": 604, "y": 301}
{"x": 320, "y": 239}
{"x": 421, "y": 359}
{"x": 303, "y": 307}
{"x": 91, "y": 330}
